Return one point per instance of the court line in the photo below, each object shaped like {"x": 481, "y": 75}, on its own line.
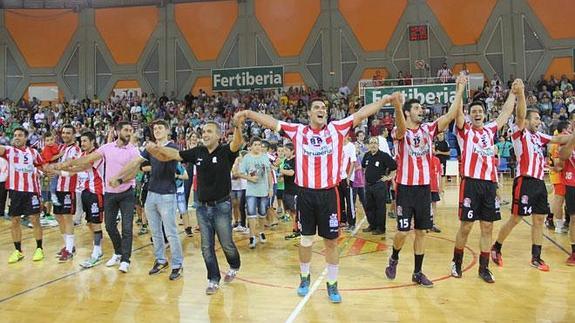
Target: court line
{"x": 315, "y": 286}
{"x": 548, "y": 237}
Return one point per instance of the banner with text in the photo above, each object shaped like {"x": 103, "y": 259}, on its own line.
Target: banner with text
{"x": 247, "y": 78}
{"x": 424, "y": 93}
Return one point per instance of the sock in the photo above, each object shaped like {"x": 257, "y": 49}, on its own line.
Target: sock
{"x": 18, "y": 246}
{"x": 97, "y": 238}
{"x": 39, "y": 243}
{"x": 497, "y": 246}
{"x": 418, "y": 263}
{"x": 395, "y": 254}
{"x": 332, "y": 271}
{"x": 483, "y": 260}
{"x": 457, "y": 255}
{"x": 559, "y": 223}
{"x": 64, "y": 238}
{"x": 70, "y": 242}
{"x": 304, "y": 268}
{"x": 573, "y": 248}
{"x": 536, "y": 251}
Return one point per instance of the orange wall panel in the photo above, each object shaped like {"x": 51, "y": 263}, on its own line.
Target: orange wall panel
{"x": 556, "y": 16}
{"x": 368, "y": 73}
{"x": 202, "y": 83}
{"x": 463, "y": 21}
{"x": 287, "y": 22}
{"x": 560, "y": 66}
{"x": 372, "y": 21}
{"x": 293, "y": 78}
{"x": 206, "y": 26}
{"x": 126, "y": 31}
{"x": 127, "y": 84}
{"x": 41, "y": 34}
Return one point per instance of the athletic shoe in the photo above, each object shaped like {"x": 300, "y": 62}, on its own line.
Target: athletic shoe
{"x": 456, "y": 271}
{"x": 158, "y": 268}
{"x": 571, "y": 260}
{"x": 486, "y": 275}
{"x": 189, "y": 232}
{"x": 435, "y": 229}
{"x": 368, "y": 229}
{"x": 549, "y": 224}
{"x": 176, "y": 273}
{"x": 422, "y": 280}
{"x": 38, "y": 254}
{"x": 292, "y": 235}
{"x": 253, "y": 242}
{"x": 263, "y": 237}
{"x": 539, "y": 264}
{"x": 333, "y": 293}
{"x": 304, "y": 283}
{"x": 124, "y": 267}
{"x": 350, "y": 228}
{"x": 561, "y": 230}
{"x": 212, "y": 288}
{"x": 377, "y": 232}
{"x": 241, "y": 229}
{"x": 391, "y": 215}
{"x": 62, "y": 250}
{"x": 91, "y": 262}
{"x": 230, "y": 275}
{"x": 391, "y": 269}
{"x": 138, "y": 221}
{"x": 65, "y": 256}
{"x": 114, "y": 261}
{"x": 496, "y": 257}
{"x": 15, "y": 257}
{"x": 143, "y": 230}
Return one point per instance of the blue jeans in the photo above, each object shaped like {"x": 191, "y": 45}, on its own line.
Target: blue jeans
{"x": 161, "y": 209}
{"x": 216, "y": 219}
{"x": 257, "y": 205}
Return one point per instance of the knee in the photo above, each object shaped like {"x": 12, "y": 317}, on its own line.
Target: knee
{"x": 307, "y": 241}
{"x": 420, "y": 233}
{"x": 465, "y": 228}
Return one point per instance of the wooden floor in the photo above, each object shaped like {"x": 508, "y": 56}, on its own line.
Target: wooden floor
{"x": 265, "y": 288}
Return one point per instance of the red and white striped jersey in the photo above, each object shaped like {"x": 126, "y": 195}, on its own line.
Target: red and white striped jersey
{"x": 478, "y": 158}
{"x": 22, "y": 171}
{"x": 413, "y": 154}
{"x": 318, "y": 153}
{"x": 528, "y": 148}
{"x": 93, "y": 178}
{"x": 569, "y": 171}
{"x": 68, "y": 183}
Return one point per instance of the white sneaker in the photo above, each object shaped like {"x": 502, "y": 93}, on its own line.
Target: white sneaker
{"x": 253, "y": 242}
{"x": 239, "y": 228}
{"x": 561, "y": 230}
{"x": 124, "y": 267}
{"x": 263, "y": 237}
{"x": 114, "y": 261}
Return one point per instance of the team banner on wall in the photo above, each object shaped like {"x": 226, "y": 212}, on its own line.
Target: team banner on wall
{"x": 425, "y": 93}
{"x": 247, "y": 78}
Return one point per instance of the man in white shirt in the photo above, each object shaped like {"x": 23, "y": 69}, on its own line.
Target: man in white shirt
{"x": 347, "y": 208}
{"x": 383, "y": 144}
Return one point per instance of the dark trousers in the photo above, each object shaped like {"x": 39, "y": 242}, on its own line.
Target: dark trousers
{"x": 375, "y": 205}
{"x": 123, "y": 202}
{"x": 3, "y": 197}
{"x": 243, "y": 210}
{"x": 359, "y": 191}
{"x": 346, "y": 206}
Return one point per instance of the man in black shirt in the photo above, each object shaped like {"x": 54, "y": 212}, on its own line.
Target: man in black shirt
{"x": 379, "y": 168}
{"x": 441, "y": 150}
{"x": 290, "y": 189}
{"x": 213, "y": 161}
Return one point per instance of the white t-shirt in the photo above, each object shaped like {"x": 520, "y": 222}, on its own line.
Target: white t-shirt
{"x": 349, "y": 158}
{"x": 383, "y": 145}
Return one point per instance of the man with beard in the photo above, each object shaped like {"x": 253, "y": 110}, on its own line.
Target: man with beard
{"x": 116, "y": 155}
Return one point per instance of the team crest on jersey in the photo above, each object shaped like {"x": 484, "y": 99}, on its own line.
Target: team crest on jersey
{"x": 333, "y": 221}
{"x": 317, "y": 146}
{"x": 399, "y": 210}
{"x": 67, "y": 200}
{"x": 95, "y": 208}
{"x": 35, "y": 200}
{"x": 316, "y": 141}
{"x": 467, "y": 202}
{"x": 524, "y": 199}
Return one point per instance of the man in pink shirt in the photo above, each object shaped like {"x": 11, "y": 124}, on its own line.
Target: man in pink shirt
{"x": 116, "y": 155}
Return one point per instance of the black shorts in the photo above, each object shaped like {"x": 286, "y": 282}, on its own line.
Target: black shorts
{"x": 529, "y": 196}
{"x": 24, "y": 203}
{"x": 319, "y": 209}
{"x": 289, "y": 202}
{"x": 93, "y": 206}
{"x": 477, "y": 200}
{"x": 67, "y": 202}
{"x": 413, "y": 202}
{"x": 570, "y": 200}
{"x": 280, "y": 194}
{"x": 435, "y": 197}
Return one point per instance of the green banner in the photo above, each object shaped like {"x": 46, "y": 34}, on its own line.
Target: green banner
{"x": 247, "y": 78}
{"x": 424, "y": 93}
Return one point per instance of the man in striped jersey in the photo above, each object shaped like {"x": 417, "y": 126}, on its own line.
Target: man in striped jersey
{"x": 24, "y": 190}
{"x": 66, "y": 194}
{"x": 477, "y": 194}
{"x": 91, "y": 185}
{"x": 413, "y": 144}
{"x": 529, "y": 190}
{"x": 318, "y": 158}
{"x": 567, "y": 155}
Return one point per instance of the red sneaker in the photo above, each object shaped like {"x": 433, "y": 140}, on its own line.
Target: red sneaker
{"x": 539, "y": 264}
{"x": 571, "y": 260}
{"x": 496, "y": 257}
{"x": 65, "y": 256}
